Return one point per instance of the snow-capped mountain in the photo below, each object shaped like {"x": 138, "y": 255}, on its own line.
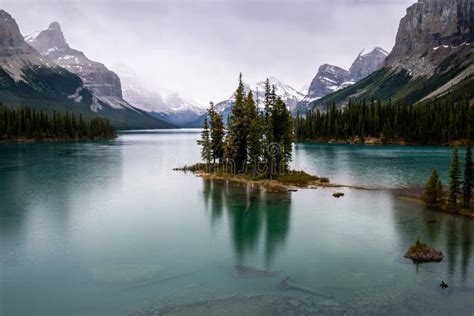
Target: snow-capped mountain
{"x": 330, "y": 78}
{"x": 104, "y": 84}
{"x": 35, "y": 79}
{"x": 16, "y": 56}
{"x": 166, "y": 105}
{"x": 288, "y": 94}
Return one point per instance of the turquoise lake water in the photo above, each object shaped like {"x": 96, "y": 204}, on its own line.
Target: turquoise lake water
{"x": 107, "y": 228}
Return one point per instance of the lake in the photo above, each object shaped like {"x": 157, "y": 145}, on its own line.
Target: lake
{"x": 107, "y": 228}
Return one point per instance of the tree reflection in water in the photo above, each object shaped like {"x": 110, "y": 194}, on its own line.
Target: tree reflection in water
{"x": 255, "y": 217}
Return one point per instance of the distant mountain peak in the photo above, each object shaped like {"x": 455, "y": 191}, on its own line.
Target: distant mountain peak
{"x": 97, "y": 78}
{"x": 331, "y": 78}
{"x": 54, "y": 26}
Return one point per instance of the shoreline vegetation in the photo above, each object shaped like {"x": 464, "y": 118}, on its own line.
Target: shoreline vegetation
{"x": 279, "y": 183}
{"x": 446, "y": 120}
{"x": 458, "y": 198}
{"x": 287, "y": 182}
{"x": 26, "y": 125}
{"x": 357, "y": 140}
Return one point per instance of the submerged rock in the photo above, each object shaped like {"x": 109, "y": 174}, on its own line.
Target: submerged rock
{"x": 420, "y": 252}
{"x": 247, "y": 271}
{"x": 338, "y": 194}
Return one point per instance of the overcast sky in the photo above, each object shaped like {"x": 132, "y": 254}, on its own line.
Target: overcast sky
{"x": 197, "y": 48}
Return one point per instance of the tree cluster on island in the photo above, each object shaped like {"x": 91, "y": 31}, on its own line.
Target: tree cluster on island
{"x": 459, "y": 193}
{"x": 29, "y": 124}
{"x": 441, "y": 121}
{"x": 256, "y": 141}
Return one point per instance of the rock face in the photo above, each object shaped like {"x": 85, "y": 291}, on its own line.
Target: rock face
{"x": 328, "y": 79}
{"x": 96, "y": 77}
{"x": 433, "y": 56}
{"x": 332, "y": 78}
{"x": 16, "y": 55}
{"x": 33, "y": 79}
{"x": 429, "y": 32}
{"x": 365, "y": 64}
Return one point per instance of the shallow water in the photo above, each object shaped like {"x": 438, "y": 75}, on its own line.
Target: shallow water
{"x": 108, "y": 228}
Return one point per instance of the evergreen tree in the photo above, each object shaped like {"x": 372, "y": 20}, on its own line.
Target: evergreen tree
{"x": 468, "y": 178}
{"x": 27, "y": 123}
{"x": 282, "y": 134}
{"x": 217, "y": 135}
{"x": 433, "y": 193}
{"x": 205, "y": 143}
{"x": 440, "y": 121}
{"x": 238, "y": 130}
{"x": 454, "y": 180}
{"x": 255, "y": 133}
{"x": 267, "y": 133}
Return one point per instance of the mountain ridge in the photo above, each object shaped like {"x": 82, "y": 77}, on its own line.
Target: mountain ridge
{"x": 433, "y": 56}
{"x": 30, "y": 78}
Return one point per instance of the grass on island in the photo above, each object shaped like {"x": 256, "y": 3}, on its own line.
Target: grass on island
{"x": 277, "y": 183}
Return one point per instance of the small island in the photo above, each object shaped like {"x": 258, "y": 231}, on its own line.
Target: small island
{"x": 279, "y": 183}
{"x": 420, "y": 252}
{"x": 256, "y": 146}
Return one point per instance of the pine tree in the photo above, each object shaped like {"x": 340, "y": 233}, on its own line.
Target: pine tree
{"x": 205, "y": 143}
{"x": 237, "y": 132}
{"x": 454, "y": 180}
{"x": 433, "y": 193}
{"x": 468, "y": 178}
{"x": 267, "y": 136}
{"x": 217, "y": 135}
{"x": 255, "y": 132}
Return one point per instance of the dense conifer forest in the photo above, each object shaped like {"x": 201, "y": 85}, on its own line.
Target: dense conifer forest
{"x": 30, "y": 124}
{"x": 436, "y": 122}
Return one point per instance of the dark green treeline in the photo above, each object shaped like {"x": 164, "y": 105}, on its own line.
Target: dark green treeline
{"x": 433, "y": 123}
{"x": 30, "y": 124}
{"x": 256, "y": 141}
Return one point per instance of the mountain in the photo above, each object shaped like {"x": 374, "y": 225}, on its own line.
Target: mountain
{"x": 24, "y": 72}
{"x": 433, "y": 55}
{"x": 61, "y": 79}
{"x": 330, "y": 78}
{"x": 169, "y": 107}
{"x": 288, "y": 94}
{"x": 367, "y": 63}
